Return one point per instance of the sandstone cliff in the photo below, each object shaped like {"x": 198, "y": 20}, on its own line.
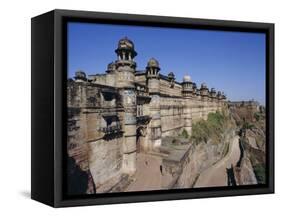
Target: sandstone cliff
{"x": 210, "y": 143}
{"x": 227, "y": 149}
{"x": 253, "y": 141}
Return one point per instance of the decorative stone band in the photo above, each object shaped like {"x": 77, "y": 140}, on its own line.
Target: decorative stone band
{"x": 129, "y": 63}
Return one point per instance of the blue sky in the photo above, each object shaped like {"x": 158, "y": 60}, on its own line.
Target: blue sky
{"x": 233, "y": 62}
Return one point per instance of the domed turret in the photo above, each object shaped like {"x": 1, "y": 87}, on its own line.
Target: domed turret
{"x": 125, "y": 43}
{"x": 186, "y": 78}
{"x": 125, "y": 66}
{"x": 126, "y": 49}
{"x": 110, "y": 67}
{"x": 152, "y": 63}
{"x": 204, "y": 86}
{"x": 188, "y": 86}
{"x": 171, "y": 76}
{"x": 219, "y": 95}
{"x": 204, "y": 91}
{"x": 194, "y": 88}
{"x": 223, "y": 95}
{"x": 80, "y": 76}
{"x": 213, "y": 93}
{"x": 152, "y": 68}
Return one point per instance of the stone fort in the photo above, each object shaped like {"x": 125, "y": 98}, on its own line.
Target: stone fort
{"x": 116, "y": 115}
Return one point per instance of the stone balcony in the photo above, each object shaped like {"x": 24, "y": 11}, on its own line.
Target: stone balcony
{"x": 110, "y": 94}
{"x": 111, "y": 129}
{"x": 142, "y": 94}
{"x": 111, "y": 132}
{"x": 109, "y": 90}
{"x": 144, "y": 119}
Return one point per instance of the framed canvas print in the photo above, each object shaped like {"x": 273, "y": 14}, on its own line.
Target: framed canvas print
{"x": 133, "y": 108}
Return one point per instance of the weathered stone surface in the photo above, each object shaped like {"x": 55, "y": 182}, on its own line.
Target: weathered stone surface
{"x": 105, "y": 124}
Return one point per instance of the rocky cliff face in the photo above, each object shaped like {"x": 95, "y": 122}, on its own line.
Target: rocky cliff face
{"x": 209, "y": 145}
{"x": 251, "y": 123}
{"x": 230, "y": 145}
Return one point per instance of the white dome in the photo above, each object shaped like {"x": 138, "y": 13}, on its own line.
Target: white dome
{"x": 186, "y": 78}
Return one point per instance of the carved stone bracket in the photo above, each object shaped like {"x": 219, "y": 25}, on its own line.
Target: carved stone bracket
{"x": 143, "y": 120}
{"x": 142, "y": 131}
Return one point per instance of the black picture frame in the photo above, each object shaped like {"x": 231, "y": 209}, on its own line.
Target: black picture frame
{"x": 49, "y": 116}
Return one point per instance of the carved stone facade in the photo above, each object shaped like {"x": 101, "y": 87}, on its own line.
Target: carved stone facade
{"x": 115, "y": 115}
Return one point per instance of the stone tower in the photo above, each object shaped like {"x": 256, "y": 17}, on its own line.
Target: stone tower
{"x": 125, "y": 64}
{"x": 213, "y": 96}
{"x": 187, "y": 92}
{"x": 204, "y": 92}
{"x": 153, "y": 83}
{"x": 172, "y": 78}
{"x": 125, "y": 67}
{"x": 219, "y": 96}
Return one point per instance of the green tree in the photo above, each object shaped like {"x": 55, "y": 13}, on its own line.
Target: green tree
{"x": 184, "y": 134}
{"x": 212, "y": 128}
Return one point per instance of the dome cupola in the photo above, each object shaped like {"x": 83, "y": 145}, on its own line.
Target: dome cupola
{"x": 126, "y": 49}
{"x": 110, "y": 67}
{"x": 213, "y": 93}
{"x": 187, "y": 85}
{"x": 125, "y": 43}
{"x": 204, "y": 91}
{"x": 186, "y": 78}
{"x": 223, "y": 95}
{"x": 219, "y": 95}
{"x": 171, "y": 76}
{"x": 152, "y": 68}
{"x": 80, "y": 76}
{"x": 152, "y": 63}
{"x": 204, "y": 86}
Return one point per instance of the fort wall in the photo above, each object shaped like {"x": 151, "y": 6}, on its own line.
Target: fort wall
{"x": 115, "y": 115}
